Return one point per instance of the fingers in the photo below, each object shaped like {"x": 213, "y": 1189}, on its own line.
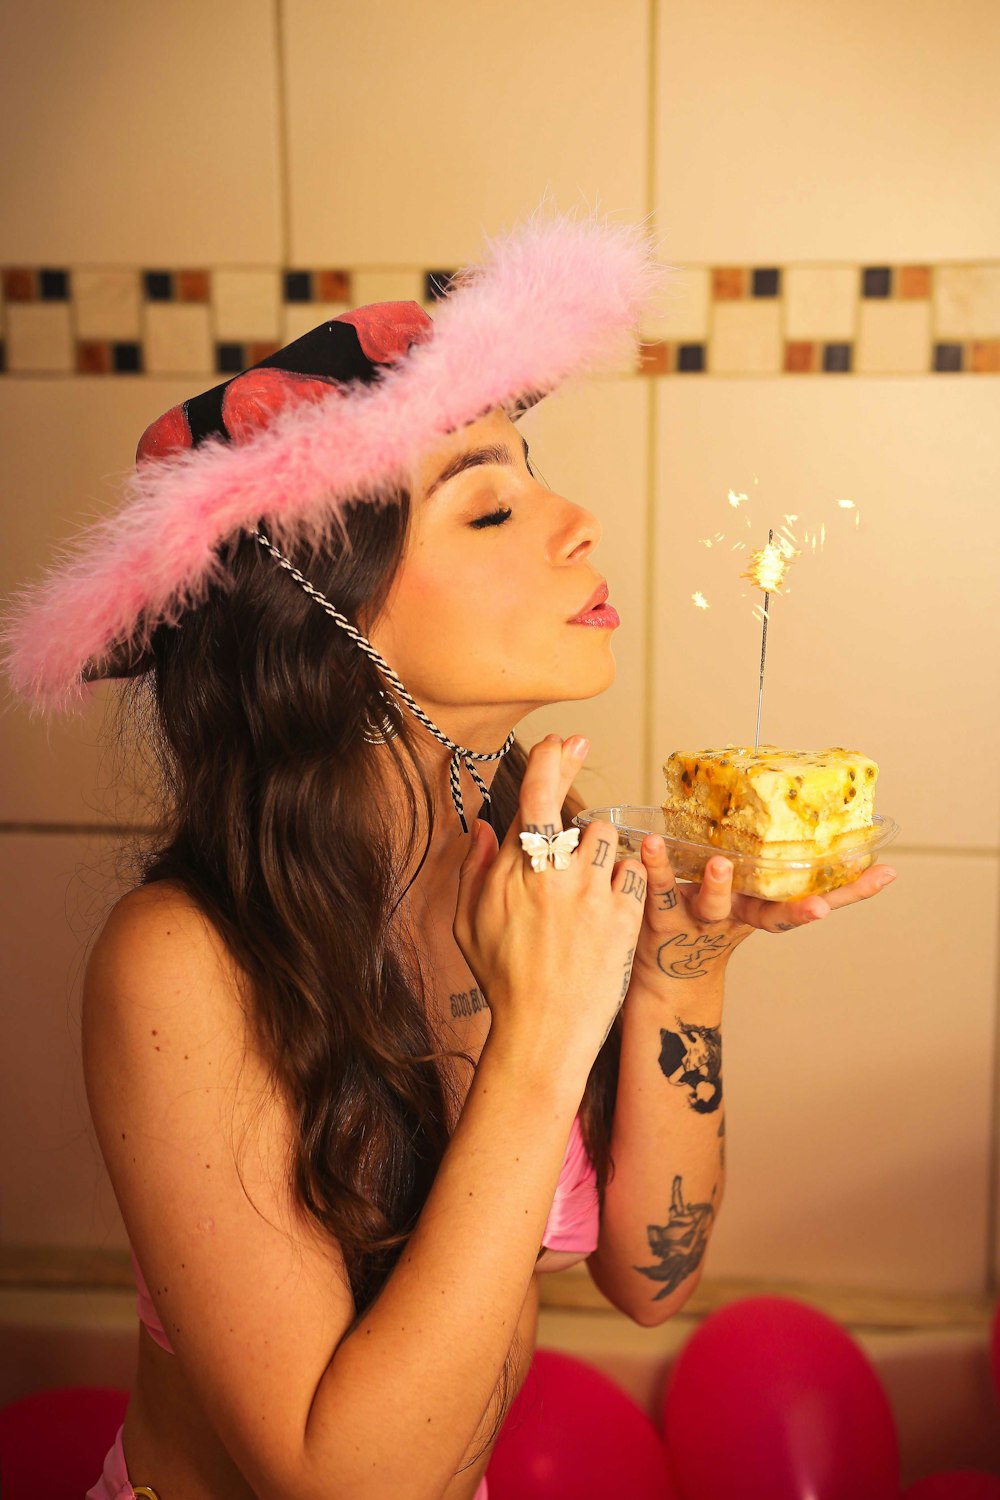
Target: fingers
{"x": 714, "y": 900}
{"x": 552, "y": 765}
{"x": 659, "y": 873}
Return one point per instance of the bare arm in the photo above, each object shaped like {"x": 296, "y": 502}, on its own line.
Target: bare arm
{"x": 253, "y": 1295}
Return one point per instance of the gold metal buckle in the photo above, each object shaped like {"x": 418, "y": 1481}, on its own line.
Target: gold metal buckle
{"x": 143, "y": 1492}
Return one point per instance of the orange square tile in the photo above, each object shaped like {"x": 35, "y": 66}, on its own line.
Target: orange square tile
{"x": 913, "y": 281}
{"x": 92, "y": 357}
{"x": 257, "y": 352}
{"x": 332, "y": 286}
{"x": 800, "y": 356}
{"x": 984, "y": 356}
{"x": 654, "y": 359}
{"x": 191, "y": 286}
{"x": 728, "y": 282}
{"x": 19, "y": 285}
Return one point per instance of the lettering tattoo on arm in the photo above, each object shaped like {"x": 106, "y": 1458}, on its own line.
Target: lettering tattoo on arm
{"x": 468, "y": 1003}
{"x": 685, "y": 955}
{"x": 691, "y": 1058}
{"x": 625, "y": 983}
{"x": 678, "y": 1245}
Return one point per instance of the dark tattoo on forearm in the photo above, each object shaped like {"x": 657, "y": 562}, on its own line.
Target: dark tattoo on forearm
{"x": 678, "y": 1245}
{"x": 691, "y": 1058}
{"x": 468, "y": 1002}
{"x": 721, "y": 1133}
{"x": 685, "y": 955}
{"x": 667, "y": 899}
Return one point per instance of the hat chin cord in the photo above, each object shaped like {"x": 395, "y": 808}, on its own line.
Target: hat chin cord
{"x": 459, "y": 752}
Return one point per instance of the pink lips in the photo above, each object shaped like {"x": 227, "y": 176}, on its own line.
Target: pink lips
{"x": 597, "y": 611}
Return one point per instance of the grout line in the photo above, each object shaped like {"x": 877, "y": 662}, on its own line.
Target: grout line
{"x": 284, "y": 208}
{"x": 650, "y": 560}
{"x": 993, "y": 1154}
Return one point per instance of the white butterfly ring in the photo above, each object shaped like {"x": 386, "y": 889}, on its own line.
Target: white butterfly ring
{"x": 555, "y": 846}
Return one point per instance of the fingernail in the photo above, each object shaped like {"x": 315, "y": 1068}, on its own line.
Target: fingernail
{"x": 655, "y": 844}
{"x": 718, "y": 870}
{"x": 551, "y": 737}
{"x": 578, "y": 746}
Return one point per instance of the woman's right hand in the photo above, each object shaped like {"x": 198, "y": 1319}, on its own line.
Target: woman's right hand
{"x": 552, "y": 949}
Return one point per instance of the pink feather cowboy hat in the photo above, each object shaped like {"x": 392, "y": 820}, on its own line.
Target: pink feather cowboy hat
{"x": 338, "y": 416}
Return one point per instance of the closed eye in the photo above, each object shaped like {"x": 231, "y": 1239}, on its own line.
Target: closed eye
{"x": 495, "y": 518}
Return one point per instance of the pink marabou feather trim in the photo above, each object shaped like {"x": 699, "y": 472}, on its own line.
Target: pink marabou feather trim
{"x": 557, "y": 296}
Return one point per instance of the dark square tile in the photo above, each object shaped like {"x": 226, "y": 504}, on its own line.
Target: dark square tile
{"x": 126, "y": 359}
{"x": 53, "y": 286}
{"x": 837, "y": 358}
{"x": 229, "y": 359}
{"x": 947, "y": 357}
{"x": 298, "y": 286}
{"x": 766, "y": 282}
{"x": 159, "y": 286}
{"x": 437, "y": 285}
{"x": 876, "y": 281}
{"x": 690, "y": 358}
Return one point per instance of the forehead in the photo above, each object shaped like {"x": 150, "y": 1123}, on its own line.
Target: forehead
{"x": 494, "y": 428}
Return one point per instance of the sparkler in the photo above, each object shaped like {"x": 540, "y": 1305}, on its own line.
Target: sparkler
{"x": 767, "y": 570}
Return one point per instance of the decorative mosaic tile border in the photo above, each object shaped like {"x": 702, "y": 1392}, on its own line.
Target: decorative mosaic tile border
{"x": 719, "y": 320}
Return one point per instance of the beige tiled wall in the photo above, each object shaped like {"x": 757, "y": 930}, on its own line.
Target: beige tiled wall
{"x": 244, "y": 140}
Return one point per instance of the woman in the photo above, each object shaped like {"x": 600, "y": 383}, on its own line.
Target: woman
{"x": 358, "y": 1075}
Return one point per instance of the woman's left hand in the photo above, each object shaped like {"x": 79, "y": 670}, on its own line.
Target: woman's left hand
{"x": 688, "y": 931}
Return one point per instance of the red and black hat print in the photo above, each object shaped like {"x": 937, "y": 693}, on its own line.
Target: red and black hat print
{"x": 353, "y": 347}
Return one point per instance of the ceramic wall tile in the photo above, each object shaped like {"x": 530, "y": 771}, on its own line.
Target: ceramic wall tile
{"x": 246, "y": 304}
{"x": 411, "y": 165}
{"x": 857, "y": 1139}
{"x": 107, "y": 304}
{"x": 39, "y": 337}
{"x": 807, "y": 132}
{"x": 820, "y": 302}
{"x": 64, "y": 770}
{"x": 865, "y": 642}
{"x": 54, "y": 891}
{"x": 178, "y": 338}
{"x": 374, "y": 285}
{"x": 894, "y": 338}
{"x": 122, "y": 144}
{"x": 746, "y": 338}
{"x": 682, "y": 311}
{"x": 967, "y": 301}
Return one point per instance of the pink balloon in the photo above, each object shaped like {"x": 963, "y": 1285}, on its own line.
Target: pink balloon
{"x": 572, "y": 1434}
{"x": 771, "y": 1400}
{"x": 957, "y": 1484}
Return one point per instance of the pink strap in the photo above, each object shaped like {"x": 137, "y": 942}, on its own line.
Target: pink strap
{"x": 574, "y": 1218}
{"x": 146, "y": 1308}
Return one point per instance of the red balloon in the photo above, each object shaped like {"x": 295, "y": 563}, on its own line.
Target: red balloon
{"x": 572, "y": 1434}
{"x": 957, "y": 1484}
{"x": 56, "y": 1441}
{"x": 771, "y": 1400}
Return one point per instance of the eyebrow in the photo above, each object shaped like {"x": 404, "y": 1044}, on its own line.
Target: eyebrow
{"x": 493, "y": 453}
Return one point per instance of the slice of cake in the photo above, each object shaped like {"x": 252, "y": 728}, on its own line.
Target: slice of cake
{"x": 774, "y": 804}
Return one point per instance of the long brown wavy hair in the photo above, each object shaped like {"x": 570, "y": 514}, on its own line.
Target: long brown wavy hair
{"x": 271, "y": 817}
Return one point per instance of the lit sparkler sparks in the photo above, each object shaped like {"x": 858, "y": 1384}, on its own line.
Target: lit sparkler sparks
{"x": 768, "y": 566}
{"x": 699, "y": 601}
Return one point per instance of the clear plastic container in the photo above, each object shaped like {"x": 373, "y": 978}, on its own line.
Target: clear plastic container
{"x": 754, "y": 875}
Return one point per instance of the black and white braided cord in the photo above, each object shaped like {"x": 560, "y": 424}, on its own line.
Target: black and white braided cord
{"x": 459, "y": 752}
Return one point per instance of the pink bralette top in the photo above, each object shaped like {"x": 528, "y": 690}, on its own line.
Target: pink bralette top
{"x": 572, "y": 1224}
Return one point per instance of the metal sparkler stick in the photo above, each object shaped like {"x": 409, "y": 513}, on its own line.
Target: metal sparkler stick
{"x": 763, "y": 653}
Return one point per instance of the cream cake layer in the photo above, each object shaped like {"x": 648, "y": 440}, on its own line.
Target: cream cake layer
{"x": 772, "y": 802}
